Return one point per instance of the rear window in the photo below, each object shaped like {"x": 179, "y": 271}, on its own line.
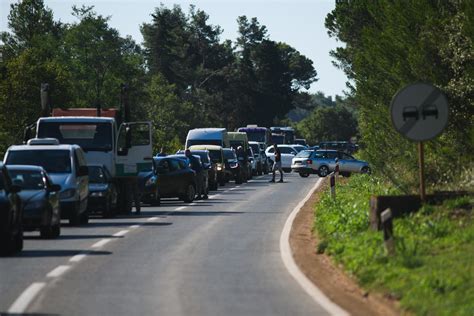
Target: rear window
{"x": 304, "y": 154}
{"x": 53, "y": 161}
{"x": 27, "y": 179}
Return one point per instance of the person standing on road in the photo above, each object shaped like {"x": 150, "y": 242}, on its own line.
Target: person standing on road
{"x": 277, "y": 164}
{"x": 196, "y": 166}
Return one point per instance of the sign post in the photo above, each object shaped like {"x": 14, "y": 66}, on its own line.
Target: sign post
{"x": 420, "y": 112}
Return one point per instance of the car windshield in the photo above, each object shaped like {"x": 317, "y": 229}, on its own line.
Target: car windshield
{"x": 203, "y": 155}
{"x": 27, "y": 179}
{"x": 256, "y": 136}
{"x": 229, "y": 154}
{"x": 255, "y": 148}
{"x": 304, "y": 154}
{"x": 90, "y": 136}
{"x": 299, "y": 148}
{"x": 192, "y": 142}
{"x": 53, "y": 161}
{"x": 216, "y": 155}
{"x": 96, "y": 175}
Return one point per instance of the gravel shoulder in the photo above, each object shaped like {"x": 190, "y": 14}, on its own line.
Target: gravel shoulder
{"x": 330, "y": 278}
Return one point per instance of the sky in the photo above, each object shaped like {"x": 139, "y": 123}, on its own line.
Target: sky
{"x": 299, "y": 23}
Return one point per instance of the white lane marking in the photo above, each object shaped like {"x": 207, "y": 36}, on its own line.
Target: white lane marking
{"x": 28, "y": 295}
{"x": 232, "y": 189}
{"x": 151, "y": 219}
{"x": 214, "y": 196}
{"x": 134, "y": 226}
{"x": 192, "y": 204}
{"x": 180, "y": 208}
{"x": 286, "y": 255}
{"x": 121, "y": 233}
{"x": 58, "y": 271}
{"x": 78, "y": 257}
{"x": 101, "y": 243}
{"x": 238, "y": 186}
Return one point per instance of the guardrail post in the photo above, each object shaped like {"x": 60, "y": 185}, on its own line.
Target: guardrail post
{"x": 333, "y": 186}
{"x": 387, "y": 226}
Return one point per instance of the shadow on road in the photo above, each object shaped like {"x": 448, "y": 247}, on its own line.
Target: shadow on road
{"x": 194, "y": 213}
{"x": 57, "y": 253}
{"x": 72, "y": 237}
{"x": 120, "y": 224}
{"x": 27, "y": 314}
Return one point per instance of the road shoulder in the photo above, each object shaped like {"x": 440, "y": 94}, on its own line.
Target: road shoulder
{"x": 326, "y": 275}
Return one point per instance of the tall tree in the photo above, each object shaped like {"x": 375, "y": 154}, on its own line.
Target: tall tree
{"x": 99, "y": 59}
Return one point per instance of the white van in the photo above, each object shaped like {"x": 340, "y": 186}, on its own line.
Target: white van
{"x": 208, "y": 136}
{"x": 66, "y": 165}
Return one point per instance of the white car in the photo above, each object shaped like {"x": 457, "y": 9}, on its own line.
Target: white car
{"x": 288, "y": 152}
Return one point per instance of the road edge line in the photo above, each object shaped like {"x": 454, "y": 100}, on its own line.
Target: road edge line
{"x": 25, "y": 298}
{"x": 289, "y": 262}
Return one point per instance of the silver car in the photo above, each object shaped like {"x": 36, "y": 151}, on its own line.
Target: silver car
{"x": 323, "y": 162}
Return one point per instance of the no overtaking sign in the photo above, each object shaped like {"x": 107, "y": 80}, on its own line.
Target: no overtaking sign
{"x": 419, "y": 112}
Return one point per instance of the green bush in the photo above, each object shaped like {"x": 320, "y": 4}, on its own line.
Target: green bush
{"x": 432, "y": 272}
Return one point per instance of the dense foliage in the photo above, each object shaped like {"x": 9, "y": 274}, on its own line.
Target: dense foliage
{"x": 183, "y": 77}
{"x": 431, "y": 272}
{"x": 390, "y": 44}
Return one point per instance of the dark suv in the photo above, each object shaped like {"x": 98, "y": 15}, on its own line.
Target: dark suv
{"x": 11, "y": 215}
{"x": 170, "y": 177}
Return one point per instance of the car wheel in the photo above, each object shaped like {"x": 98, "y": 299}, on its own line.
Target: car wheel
{"x": 323, "y": 171}
{"x": 189, "y": 194}
{"x": 366, "y": 170}
{"x": 46, "y": 232}
{"x": 304, "y": 175}
{"x": 19, "y": 241}
{"x": 75, "y": 219}
{"x": 56, "y": 231}
{"x": 107, "y": 212}
{"x": 84, "y": 218}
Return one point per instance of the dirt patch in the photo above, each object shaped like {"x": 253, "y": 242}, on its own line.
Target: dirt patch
{"x": 330, "y": 278}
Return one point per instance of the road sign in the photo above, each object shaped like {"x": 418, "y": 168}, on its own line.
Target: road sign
{"x": 419, "y": 111}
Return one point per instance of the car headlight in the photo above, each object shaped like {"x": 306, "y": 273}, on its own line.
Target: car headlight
{"x": 219, "y": 168}
{"x": 67, "y": 194}
{"x": 98, "y": 194}
{"x": 150, "y": 182}
{"x": 34, "y": 205}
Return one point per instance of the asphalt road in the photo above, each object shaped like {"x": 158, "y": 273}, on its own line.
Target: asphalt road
{"x": 214, "y": 257}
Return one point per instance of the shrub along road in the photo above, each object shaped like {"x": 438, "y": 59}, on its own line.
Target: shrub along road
{"x": 214, "y": 257}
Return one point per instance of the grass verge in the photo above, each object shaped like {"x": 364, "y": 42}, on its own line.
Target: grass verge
{"x": 432, "y": 272}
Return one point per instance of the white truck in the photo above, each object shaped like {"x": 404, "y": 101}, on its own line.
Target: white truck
{"x": 124, "y": 149}
{"x": 208, "y": 136}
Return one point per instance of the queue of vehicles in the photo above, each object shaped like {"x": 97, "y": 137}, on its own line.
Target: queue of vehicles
{"x": 78, "y": 164}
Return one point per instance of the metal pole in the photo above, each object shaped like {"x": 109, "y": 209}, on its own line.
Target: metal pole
{"x": 421, "y": 159}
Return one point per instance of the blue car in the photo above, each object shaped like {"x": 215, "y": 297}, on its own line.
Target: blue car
{"x": 40, "y": 199}
{"x": 102, "y": 191}
{"x": 11, "y": 213}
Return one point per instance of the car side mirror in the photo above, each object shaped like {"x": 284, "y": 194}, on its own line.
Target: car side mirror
{"x": 55, "y": 188}
{"x": 15, "y": 188}
{"x": 83, "y": 171}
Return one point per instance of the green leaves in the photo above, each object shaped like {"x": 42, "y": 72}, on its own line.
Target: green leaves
{"x": 390, "y": 44}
